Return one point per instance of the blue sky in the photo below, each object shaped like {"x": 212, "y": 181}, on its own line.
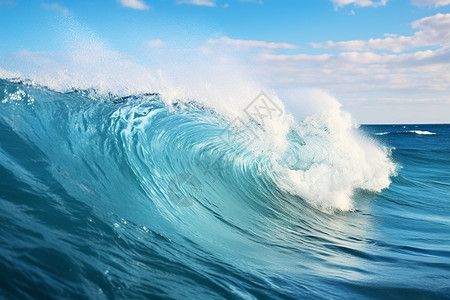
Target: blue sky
{"x": 385, "y": 60}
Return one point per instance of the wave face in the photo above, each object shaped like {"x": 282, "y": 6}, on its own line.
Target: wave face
{"x": 135, "y": 197}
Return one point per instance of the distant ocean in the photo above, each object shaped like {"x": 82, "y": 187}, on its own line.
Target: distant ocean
{"x": 132, "y": 197}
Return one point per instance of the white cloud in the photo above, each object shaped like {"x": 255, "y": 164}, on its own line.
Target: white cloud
{"x": 249, "y": 44}
{"x": 361, "y": 3}
{"x": 435, "y": 31}
{"x": 367, "y": 59}
{"x": 435, "y": 3}
{"x": 209, "y": 3}
{"x": 348, "y": 73}
{"x": 367, "y": 82}
{"x": 135, "y": 4}
{"x": 55, "y": 6}
{"x": 376, "y": 79}
{"x": 154, "y": 44}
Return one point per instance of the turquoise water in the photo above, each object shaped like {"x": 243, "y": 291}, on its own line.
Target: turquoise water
{"x": 107, "y": 197}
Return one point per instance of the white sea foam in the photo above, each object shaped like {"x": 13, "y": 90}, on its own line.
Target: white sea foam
{"x": 424, "y": 132}
{"x": 338, "y": 160}
{"x": 8, "y": 75}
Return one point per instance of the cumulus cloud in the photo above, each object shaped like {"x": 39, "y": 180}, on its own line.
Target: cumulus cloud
{"x": 435, "y": 31}
{"x": 367, "y": 83}
{"x": 360, "y": 65}
{"x": 361, "y": 3}
{"x": 367, "y": 59}
{"x": 209, "y": 3}
{"x": 434, "y": 3}
{"x": 370, "y": 77}
{"x": 248, "y": 44}
{"x": 135, "y": 4}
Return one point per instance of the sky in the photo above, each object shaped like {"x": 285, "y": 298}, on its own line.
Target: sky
{"x": 386, "y": 61}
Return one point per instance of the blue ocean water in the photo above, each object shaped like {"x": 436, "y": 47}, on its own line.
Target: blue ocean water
{"x": 108, "y": 197}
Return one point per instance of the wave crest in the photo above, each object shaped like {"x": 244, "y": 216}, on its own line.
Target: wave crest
{"x": 322, "y": 159}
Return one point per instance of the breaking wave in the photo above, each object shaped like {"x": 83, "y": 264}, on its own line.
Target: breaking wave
{"x": 98, "y": 138}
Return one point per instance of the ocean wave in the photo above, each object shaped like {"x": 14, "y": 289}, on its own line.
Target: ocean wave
{"x": 321, "y": 159}
{"x": 138, "y": 183}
